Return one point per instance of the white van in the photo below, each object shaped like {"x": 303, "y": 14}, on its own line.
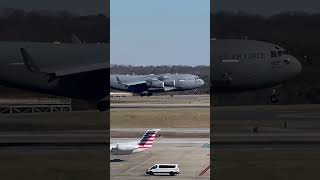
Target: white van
{"x": 171, "y": 169}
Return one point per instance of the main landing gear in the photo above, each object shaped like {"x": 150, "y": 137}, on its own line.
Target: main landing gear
{"x": 145, "y": 94}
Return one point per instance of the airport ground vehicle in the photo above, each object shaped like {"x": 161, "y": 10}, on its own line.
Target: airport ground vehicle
{"x": 171, "y": 169}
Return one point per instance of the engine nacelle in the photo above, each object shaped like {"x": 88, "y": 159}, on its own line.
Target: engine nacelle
{"x": 169, "y": 82}
{"x": 155, "y": 84}
{"x": 126, "y": 147}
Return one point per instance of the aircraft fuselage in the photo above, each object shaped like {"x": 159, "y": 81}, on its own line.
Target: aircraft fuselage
{"x": 239, "y": 65}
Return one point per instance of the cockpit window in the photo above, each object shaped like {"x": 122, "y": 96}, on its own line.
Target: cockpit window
{"x": 282, "y": 52}
{"x": 273, "y": 54}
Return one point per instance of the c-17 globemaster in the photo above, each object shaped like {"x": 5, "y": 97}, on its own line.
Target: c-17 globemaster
{"x": 239, "y": 65}
{"x": 73, "y": 70}
{"x": 149, "y": 84}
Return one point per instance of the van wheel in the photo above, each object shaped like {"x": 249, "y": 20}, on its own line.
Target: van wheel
{"x": 151, "y": 173}
{"x": 171, "y": 173}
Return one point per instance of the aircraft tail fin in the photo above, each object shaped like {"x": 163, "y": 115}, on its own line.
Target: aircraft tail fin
{"x": 28, "y": 61}
{"x": 119, "y": 81}
{"x": 75, "y": 39}
{"x": 147, "y": 139}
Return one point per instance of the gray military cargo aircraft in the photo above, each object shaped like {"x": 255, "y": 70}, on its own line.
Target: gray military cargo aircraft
{"x": 65, "y": 69}
{"x": 146, "y": 85}
{"x": 239, "y": 65}
{"x": 236, "y": 65}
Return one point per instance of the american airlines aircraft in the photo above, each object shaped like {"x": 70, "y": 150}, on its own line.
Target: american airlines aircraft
{"x": 65, "y": 69}
{"x": 239, "y": 65}
{"x": 146, "y": 85}
{"x": 143, "y": 144}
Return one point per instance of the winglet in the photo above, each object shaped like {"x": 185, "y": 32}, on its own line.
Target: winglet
{"x": 28, "y": 61}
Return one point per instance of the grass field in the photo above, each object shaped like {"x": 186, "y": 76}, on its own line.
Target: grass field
{"x": 160, "y": 118}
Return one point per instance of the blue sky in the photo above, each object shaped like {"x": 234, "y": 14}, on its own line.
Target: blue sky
{"x": 160, "y": 32}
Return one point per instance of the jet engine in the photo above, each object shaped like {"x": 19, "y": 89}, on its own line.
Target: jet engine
{"x": 169, "y": 82}
{"x": 155, "y": 83}
{"x": 126, "y": 147}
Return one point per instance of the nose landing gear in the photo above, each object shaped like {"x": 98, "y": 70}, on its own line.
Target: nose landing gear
{"x": 274, "y": 98}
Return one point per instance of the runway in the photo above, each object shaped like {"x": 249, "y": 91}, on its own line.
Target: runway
{"x": 193, "y": 160}
{"x": 149, "y": 105}
{"x": 164, "y": 101}
{"x": 164, "y": 132}
{"x": 159, "y": 140}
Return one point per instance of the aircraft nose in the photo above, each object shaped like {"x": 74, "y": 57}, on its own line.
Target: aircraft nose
{"x": 293, "y": 64}
{"x": 297, "y": 67}
{"x": 201, "y": 82}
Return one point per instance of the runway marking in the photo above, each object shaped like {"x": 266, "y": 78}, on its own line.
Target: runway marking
{"x": 205, "y": 170}
{"x": 138, "y": 164}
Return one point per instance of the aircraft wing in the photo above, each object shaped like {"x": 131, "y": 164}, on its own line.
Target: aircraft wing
{"x": 33, "y": 67}
{"x": 135, "y": 83}
{"x": 80, "y": 69}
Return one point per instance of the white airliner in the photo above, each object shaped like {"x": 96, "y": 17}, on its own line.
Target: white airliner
{"x": 143, "y": 144}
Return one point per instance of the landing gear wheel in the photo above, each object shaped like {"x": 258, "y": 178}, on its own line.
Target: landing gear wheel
{"x": 274, "y": 98}
{"x": 144, "y": 93}
{"x": 102, "y": 105}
